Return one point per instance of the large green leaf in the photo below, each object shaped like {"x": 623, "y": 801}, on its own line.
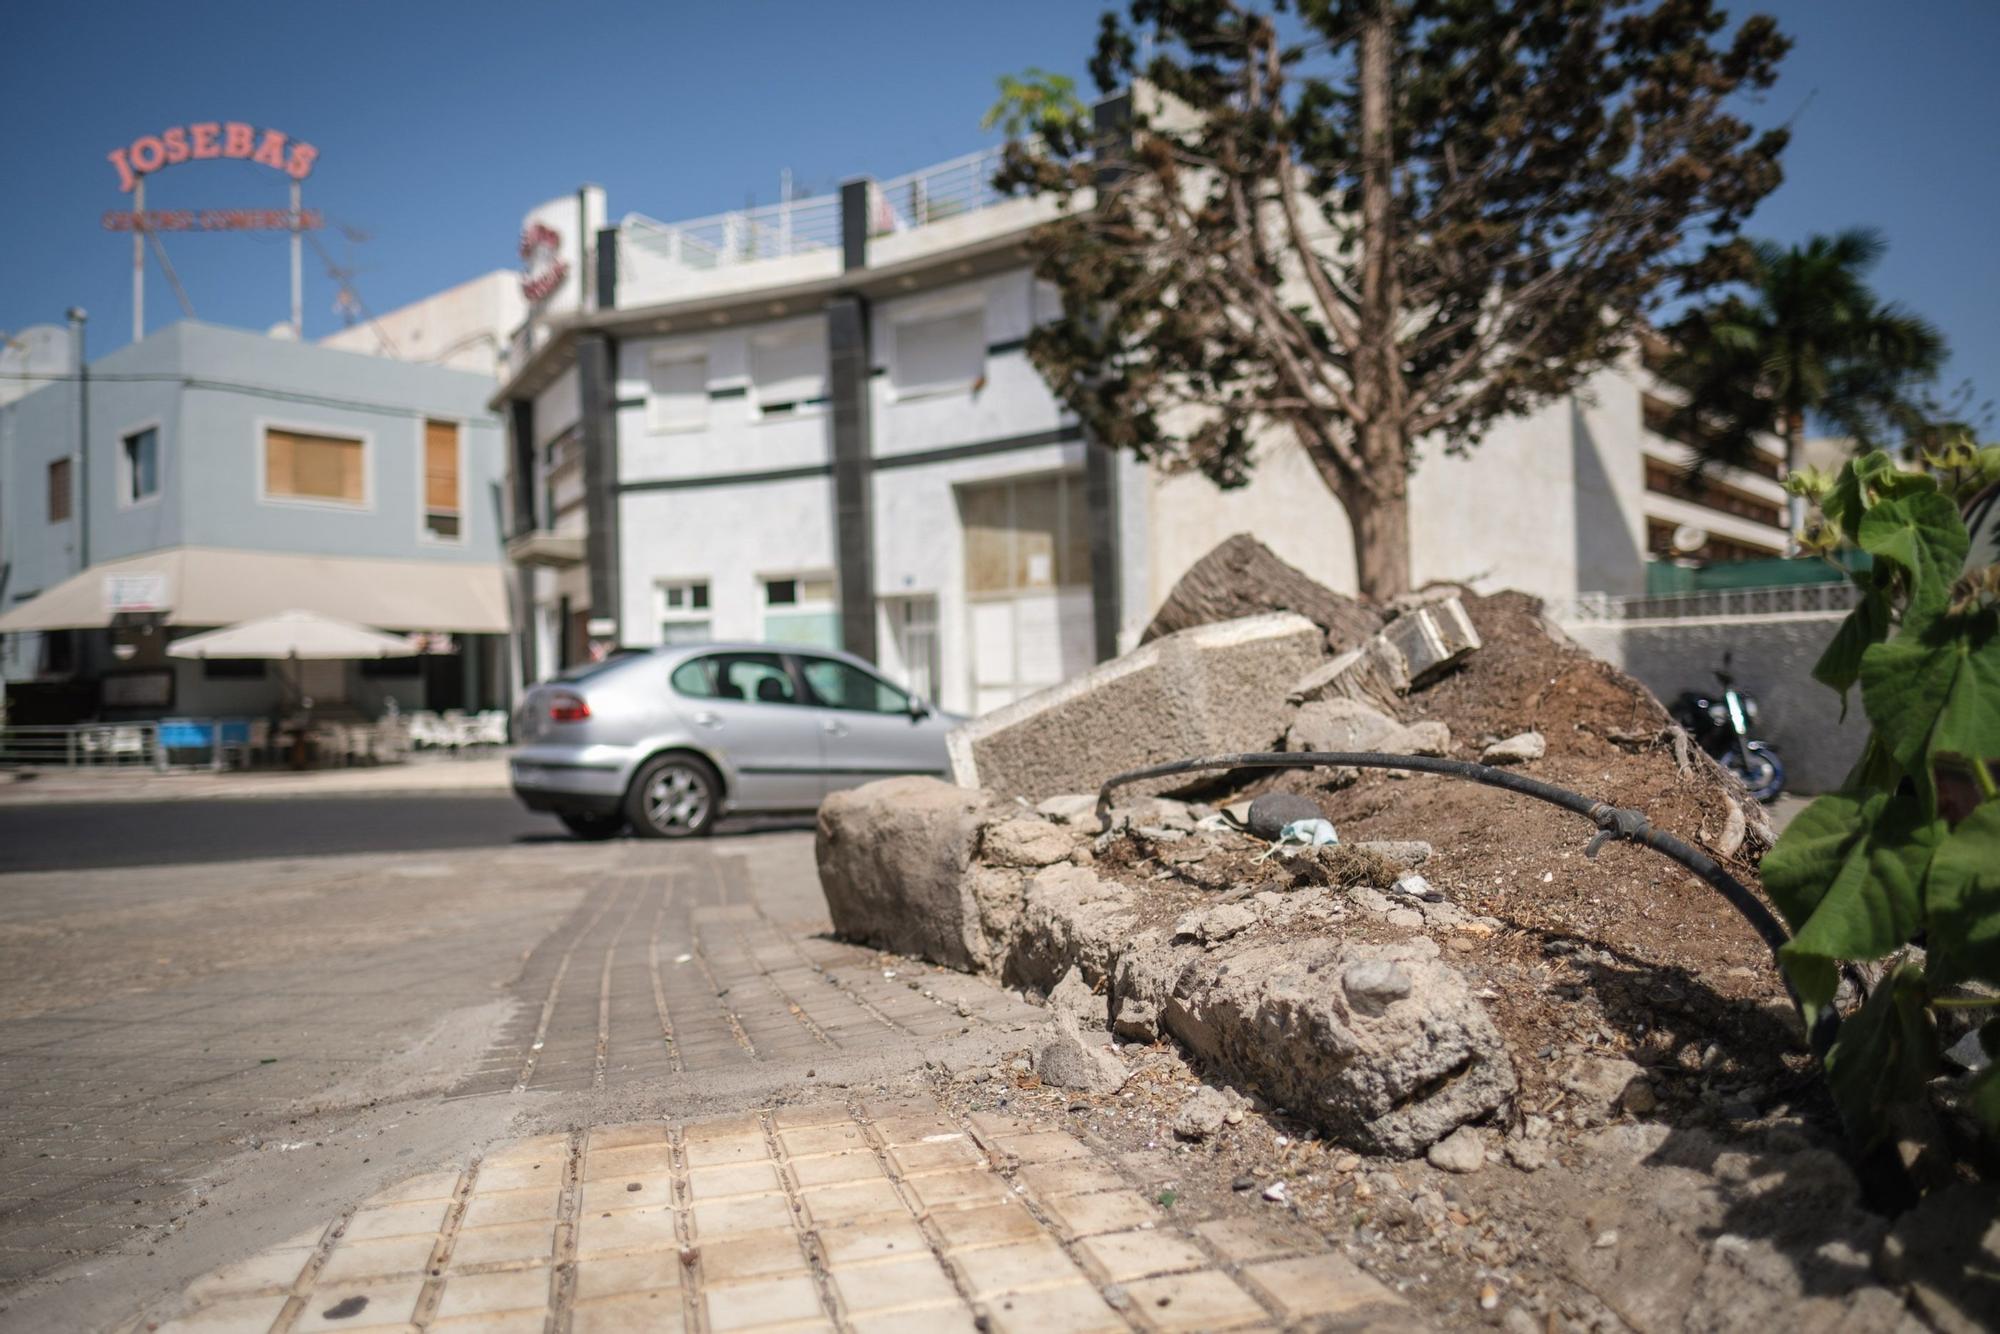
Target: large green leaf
{"x": 1886, "y": 1051}
{"x": 1840, "y": 666}
{"x": 1922, "y": 535}
{"x": 1935, "y": 691}
{"x": 1962, "y": 900}
{"x": 1848, "y": 875}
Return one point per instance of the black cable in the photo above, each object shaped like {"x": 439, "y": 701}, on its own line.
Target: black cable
{"x": 1614, "y": 823}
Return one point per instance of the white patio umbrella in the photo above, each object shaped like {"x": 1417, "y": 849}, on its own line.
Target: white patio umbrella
{"x": 293, "y": 635}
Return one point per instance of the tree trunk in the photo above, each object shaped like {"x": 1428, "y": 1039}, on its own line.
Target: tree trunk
{"x": 1381, "y": 542}
{"x": 1378, "y": 505}
{"x": 1795, "y": 506}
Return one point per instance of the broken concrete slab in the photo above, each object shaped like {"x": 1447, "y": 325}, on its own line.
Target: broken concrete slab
{"x": 1241, "y": 577}
{"x": 1202, "y": 1115}
{"x": 1520, "y": 748}
{"x": 1431, "y": 639}
{"x": 1340, "y": 724}
{"x": 1073, "y": 997}
{"x": 1372, "y": 673}
{"x": 1068, "y": 1061}
{"x": 1202, "y": 691}
{"x": 895, "y": 862}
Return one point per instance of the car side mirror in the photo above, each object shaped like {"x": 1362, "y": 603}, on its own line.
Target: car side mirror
{"x": 918, "y": 710}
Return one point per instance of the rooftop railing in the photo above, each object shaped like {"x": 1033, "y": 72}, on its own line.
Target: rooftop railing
{"x": 1784, "y": 600}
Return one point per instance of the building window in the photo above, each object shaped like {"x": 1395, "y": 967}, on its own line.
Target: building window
{"x": 441, "y": 508}
{"x": 1026, "y": 535}
{"x": 942, "y": 354}
{"x": 677, "y": 392}
{"x": 59, "y": 491}
{"x": 139, "y": 466}
{"x": 788, "y": 371}
{"x": 683, "y": 612}
{"x": 301, "y": 465}
{"x": 801, "y": 610}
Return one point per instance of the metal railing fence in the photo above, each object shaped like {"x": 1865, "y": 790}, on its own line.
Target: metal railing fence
{"x": 1783, "y": 600}
{"x": 82, "y": 745}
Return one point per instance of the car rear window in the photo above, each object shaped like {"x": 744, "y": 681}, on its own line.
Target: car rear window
{"x": 751, "y": 677}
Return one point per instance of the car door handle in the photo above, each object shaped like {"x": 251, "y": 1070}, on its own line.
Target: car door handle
{"x": 834, "y": 727}
{"x": 707, "y": 719}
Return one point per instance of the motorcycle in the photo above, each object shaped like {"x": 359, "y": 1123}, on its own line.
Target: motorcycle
{"x": 1721, "y": 726}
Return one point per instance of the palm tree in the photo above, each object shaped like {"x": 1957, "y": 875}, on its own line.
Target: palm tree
{"x": 1809, "y": 337}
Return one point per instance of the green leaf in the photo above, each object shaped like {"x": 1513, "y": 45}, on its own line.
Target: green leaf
{"x": 1962, "y": 896}
{"x": 1922, "y": 535}
{"x": 1840, "y": 666}
{"x": 1848, "y": 876}
{"x": 1935, "y": 691}
{"x": 1885, "y": 1053}
{"x": 1984, "y": 1099}
{"x": 1853, "y": 492}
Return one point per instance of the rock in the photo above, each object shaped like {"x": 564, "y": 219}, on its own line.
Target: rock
{"x": 1460, "y": 1151}
{"x": 1270, "y": 813}
{"x": 1518, "y": 749}
{"x": 1404, "y": 852}
{"x": 1025, "y": 843}
{"x": 1639, "y": 1099}
{"x": 1076, "y": 808}
{"x": 1340, "y": 724}
{"x": 1432, "y": 639}
{"x": 1947, "y": 1251}
{"x": 1073, "y": 997}
{"x": 1373, "y": 985}
{"x": 895, "y": 864}
{"x": 1202, "y": 1115}
{"x": 1067, "y": 1061}
{"x": 1428, "y": 737}
{"x": 1967, "y": 1053}
{"x": 1240, "y": 577}
{"x": 1068, "y": 917}
{"x": 1209, "y": 690}
{"x": 1597, "y": 1084}
{"x": 1527, "y": 1154}
{"x": 1211, "y": 925}
{"x": 1384, "y": 1078}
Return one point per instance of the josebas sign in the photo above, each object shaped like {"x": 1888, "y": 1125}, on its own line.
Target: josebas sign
{"x": 211, "y": 139}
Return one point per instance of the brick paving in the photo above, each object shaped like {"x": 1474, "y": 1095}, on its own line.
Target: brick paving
{"x": 873, "y": 1216}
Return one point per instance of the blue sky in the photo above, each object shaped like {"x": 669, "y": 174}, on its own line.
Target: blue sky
{"x": 440, "y": 122}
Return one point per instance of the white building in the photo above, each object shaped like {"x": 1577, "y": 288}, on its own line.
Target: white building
{"x": 466, "y": 327}
{"x": 817, "y": 422}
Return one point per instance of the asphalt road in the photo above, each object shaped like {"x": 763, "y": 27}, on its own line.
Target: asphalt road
{"x": 162, "y": 833}
{"x": 95, "y": 835}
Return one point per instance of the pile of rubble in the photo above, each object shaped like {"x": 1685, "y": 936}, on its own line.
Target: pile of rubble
{"x": 1452, "y": 981}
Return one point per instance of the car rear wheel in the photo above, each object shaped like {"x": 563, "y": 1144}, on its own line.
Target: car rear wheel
{"x": 591, "y": 826}
{"x": 674, "y": 796}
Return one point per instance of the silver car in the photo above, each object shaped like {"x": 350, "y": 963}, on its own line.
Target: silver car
{"x": 669, "y": 741}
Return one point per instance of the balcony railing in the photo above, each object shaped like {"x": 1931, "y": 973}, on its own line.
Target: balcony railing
{"x": 934, "y": 194}
{"x": 1785, "y": 600}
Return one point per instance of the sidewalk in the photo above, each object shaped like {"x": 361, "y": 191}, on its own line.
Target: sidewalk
{"x": 426, "y": 776}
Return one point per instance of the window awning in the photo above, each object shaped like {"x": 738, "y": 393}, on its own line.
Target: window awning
{"x": 207, "y": 586}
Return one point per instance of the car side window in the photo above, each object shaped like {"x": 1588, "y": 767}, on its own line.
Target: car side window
{"x": 840, "y": 685}
{"x": 694, "y": 678}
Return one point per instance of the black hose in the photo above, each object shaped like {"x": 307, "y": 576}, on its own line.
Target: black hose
{"x": 1614, "y": 823}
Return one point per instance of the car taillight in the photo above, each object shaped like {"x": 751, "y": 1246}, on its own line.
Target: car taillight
{"x": 567, "y": 708}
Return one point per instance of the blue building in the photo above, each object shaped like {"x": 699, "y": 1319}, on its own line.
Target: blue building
{"x": 205, "y": 476}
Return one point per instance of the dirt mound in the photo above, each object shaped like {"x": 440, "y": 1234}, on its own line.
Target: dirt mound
{"x": 1241, "y": 577}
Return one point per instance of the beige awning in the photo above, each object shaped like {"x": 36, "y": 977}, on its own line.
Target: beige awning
{"x": 216, "y": 586}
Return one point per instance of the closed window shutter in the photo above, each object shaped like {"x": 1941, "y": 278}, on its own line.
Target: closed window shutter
{"x": 313, "y": 467}
{"x": 679, "y": 398}
{"x": 788, "y": 370}
{"x": 441, "y": 467}
{"x": 947, "y": 352}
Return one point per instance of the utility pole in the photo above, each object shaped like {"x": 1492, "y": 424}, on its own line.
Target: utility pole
{"x": 77, "y": 319}
{"x": 139, "y": 259}
{"x": 298, "y": 280}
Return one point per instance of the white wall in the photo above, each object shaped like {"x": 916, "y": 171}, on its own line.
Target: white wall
{"x": 735, "y": 439}
{"x": 733, "y": 536}
{"x": 1014, "y": 401}
{"x": 1285, "y": 506}
{"x": 465, "y": 327}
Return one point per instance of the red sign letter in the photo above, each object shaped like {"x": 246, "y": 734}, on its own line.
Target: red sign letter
{"x": 147, "y": 154}
{"x": 204, "y": 139}
{"x": 301, "y": 164}
{"x": 236, "y": 137}
{"x": 272, "y": 151}
{"x": 117, "y": 159}
{"x": 176, "y": 141}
